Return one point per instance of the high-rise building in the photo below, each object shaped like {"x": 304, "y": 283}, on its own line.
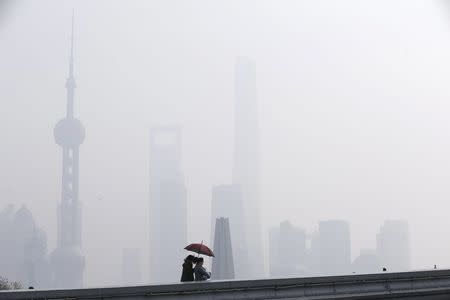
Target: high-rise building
{"x": 227, "y": 203}
{"x": 366, "y": 263}
{"x": 334, "y": 247}
{"x": 131, "y": 267}
{"x": 23, "y": 255}
{"x": 246, "y": 168}
{"x": 222, "y": 263}
{"x": 287, "y": 251}
{"x": 313, "y": 255}
{"x": 67, "y": 260}
{"x": 393, "y": 246}
{"x": 168, "y": 233}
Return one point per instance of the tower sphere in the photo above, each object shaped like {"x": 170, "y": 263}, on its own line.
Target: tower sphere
{"x": 69, "y": 132}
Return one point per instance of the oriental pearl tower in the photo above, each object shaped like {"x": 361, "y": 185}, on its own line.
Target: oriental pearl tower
{"x": 67, "y": 260}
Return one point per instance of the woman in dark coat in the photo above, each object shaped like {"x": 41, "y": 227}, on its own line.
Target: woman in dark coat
{"x": 188, "y": 270}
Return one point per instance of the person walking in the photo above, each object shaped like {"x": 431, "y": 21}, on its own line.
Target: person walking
{"x": 188, "y": 270}
{"x": 200, "y": 272}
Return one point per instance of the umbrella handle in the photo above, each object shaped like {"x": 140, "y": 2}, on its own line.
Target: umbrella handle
{"x": 198, "y": 253}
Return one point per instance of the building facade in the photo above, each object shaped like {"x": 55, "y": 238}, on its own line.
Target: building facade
{"x": 168, "y": 232}
{"x": 131, "y": 267}
{"x": 393, "y": 246}
{"x": 334, "y": 247}
{"x": 246, "y": 167}
{"x": 287, "y": 251}
{"x": 23, "y": 254}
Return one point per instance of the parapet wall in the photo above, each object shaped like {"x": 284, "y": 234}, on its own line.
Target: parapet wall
{"x": 410, "y": 285}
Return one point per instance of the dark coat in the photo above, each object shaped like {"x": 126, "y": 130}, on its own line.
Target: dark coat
{"x": 188, "y": 272}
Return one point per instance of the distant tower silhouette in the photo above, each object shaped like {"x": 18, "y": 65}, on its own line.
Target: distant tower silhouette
{"x": 287, "y": 251}
{"x": 393, "y": 245}
{"x": 246, "y": 158}
{"x": 168, "y": 233}
{"x": 227, "y": 203}
{"x": 23, "y": 254}
{"x": 335, "y": 247}
{"x": 131, "y": 266}
{"x": 222, "y": 263}
{"x": 67, "y": 261}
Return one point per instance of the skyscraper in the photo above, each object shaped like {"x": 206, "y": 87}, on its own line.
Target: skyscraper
{"x": 313, "y": 261}
{"x": 287, "y": 250}
{"x": 222, "y": 263}
{"x": 67, "y": 260}
{"x": 393, "y": 246}
{"x": 168, "y": 233}
{"x": 131, "y": 267}
{"x": 23, "y": 254}
{"x": 227, "y": 203}
{"x": 246, "y": 158}
{"x": 334, "y": 247}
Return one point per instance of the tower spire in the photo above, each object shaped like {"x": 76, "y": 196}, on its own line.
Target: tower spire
{"x": 71, "y": 46}
{"x": 70, "y": 83}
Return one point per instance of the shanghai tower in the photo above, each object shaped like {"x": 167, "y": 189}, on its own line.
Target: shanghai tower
{"x": 246, "y": 159}
{"x": 67, "y": 260}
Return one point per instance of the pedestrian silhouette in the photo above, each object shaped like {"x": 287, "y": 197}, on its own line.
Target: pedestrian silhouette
{"x": 188, "y": 269}
{"x": 200, "y": 271}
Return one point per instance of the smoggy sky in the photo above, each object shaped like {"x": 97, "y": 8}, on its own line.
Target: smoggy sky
{"x": 354, "y": 103}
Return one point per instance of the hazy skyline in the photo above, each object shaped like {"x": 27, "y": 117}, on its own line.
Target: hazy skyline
{"x": 354, "y": 106}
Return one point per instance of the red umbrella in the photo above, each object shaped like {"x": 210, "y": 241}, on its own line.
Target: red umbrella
{"x": 200, "y": 249}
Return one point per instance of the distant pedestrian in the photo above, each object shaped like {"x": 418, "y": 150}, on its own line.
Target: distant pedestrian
{"x": 188, "y": 270}
{"x": 200, "y": 272}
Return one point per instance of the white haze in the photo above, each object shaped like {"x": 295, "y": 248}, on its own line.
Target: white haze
{"x": 354, "y": 108}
